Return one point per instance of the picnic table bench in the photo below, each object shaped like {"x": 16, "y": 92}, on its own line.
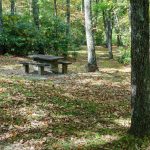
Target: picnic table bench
{"x": 39, "y": 65}
{"x": 64, "y": 66}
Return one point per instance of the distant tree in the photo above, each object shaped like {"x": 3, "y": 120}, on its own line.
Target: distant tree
{"x": 1, "y": 16}
{"x": 140, "y": 54}
{"x": 35, "y": 10}
{"x": 55, "y": 8}
{"x": 82, "y": 6}
{"x": 12, "y": 7}
{"x": 67, "y": 26}
{"x": 117, "y": 29}
{"x": 92, "y": 63}
{"x": 68, "y": 17}
{"x": 107, "y": 17}
{"x": 2, "y": 51}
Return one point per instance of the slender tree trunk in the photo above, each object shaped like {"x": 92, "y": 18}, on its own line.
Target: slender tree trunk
{"x": 55, "y": 8}
{"x": 1, "y": 17}
{"x": 12, "y": 7}
{"x": 109, "y": 36}
{"x": 35, "y": 10}
{"x": 95, "y": 19}
{"x": 2, "y": 50}
{"x": 92, "y": 64}
{"x": 108, "y": 31}
{"x": 68, "y": 17}
{"x": 105, "y": 28}
{"x": 67, "y": 27}
{"x": 117, "y": 30}
{"x": 82, "y": 6}
{"x": 140, "y": 121}
{"x": 56, "y": 32}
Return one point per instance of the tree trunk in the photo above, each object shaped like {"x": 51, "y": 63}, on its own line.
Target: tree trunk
{"x": 82, "y": 6}
{"x": 95, "y": 22}
{"x": 56, "y": 32}
{"x": 105, "y": 28}
{"x": 55, "y": 8}
{"x": 67, "y": 27}
{"x": 68, "y": 17}
{"x": 108, "y": 31}
{"x": 140, "y": 121}
{"x": 1, "y": 17}
{"x": 109, "y": 37}
{"x": 92, "y": 64}
{"x": 12, "y": 7}
{"x": 35, "y": 10}
{"x": 2, "y": 50}
{"x": 117, "y": 30}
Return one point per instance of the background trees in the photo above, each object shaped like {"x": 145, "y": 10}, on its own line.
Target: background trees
{"x": 110, "y": 25}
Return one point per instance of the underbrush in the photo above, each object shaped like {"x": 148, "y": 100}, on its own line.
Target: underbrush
{"x": 125, "y": 57}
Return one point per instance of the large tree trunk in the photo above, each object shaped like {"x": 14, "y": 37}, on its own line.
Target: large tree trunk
{"x": 35, "y": 9}
{"x": 92, "y": 64}
{"x": 140, "y": 122}
{"x": 12, "y": 7}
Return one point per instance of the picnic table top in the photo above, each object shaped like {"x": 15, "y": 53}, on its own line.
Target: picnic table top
{"x": 45, "y": 57}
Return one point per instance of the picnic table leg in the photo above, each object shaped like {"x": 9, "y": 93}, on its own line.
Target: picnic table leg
{"x": 64, "y": 68}
{"x": 54, "y": 67}
{"x": 26, "y": 67}
{"x": 40, "y": 70}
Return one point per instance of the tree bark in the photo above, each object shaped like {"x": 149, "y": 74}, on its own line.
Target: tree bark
{"x": 35, "y": 10}
{"x": 108, "y": 31}
{"x": 82, "y": 6}
{"x": 67, "y": 26}
{"x": 1, "y": 17}
{"x": 140, "y": 76}
{"x": 2, "y": 50}
{"x": 55, "y": 46}
{"x": 92, "y": 64}
{"x": 117, "y": 30}
{"x": 55, "y": 8}
{"x": 12, "y": 7}
{"x": 68, "y": 17}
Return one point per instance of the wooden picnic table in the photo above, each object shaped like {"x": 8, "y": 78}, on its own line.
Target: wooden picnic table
{"x": 52, "y": 60}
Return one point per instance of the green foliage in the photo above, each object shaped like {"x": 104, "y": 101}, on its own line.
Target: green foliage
{"x": 18, "y": 36}
{"x": 21, "y": 37}
{"x": 125, "y": 57}
{"x": 99, "y": 38}
{"x": 101, "y": 6}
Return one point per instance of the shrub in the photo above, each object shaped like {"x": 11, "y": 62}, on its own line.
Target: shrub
{"x": 21, "y": 37}
{"x": 125, "y": 57}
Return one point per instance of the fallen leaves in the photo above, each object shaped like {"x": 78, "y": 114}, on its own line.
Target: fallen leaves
{"x": 52, "y": 113}
{"x": 2, "y": 90}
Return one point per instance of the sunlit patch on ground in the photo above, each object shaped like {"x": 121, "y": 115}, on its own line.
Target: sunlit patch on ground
{"x": 123, "y": 122}
{"x": 32, "y": 112}
{"x": 28, "y": 145}
{"x": 109, "y": 138}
